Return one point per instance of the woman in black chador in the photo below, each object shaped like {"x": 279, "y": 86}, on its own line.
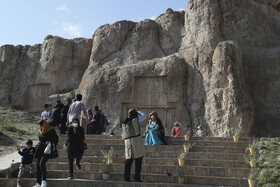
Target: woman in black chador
{"x": 75, "y": 145}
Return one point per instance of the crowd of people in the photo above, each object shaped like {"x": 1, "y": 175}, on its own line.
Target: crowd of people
{"x": 67, "y": 120}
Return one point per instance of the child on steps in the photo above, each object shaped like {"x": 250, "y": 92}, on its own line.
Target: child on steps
{"x": 27, "y": 154}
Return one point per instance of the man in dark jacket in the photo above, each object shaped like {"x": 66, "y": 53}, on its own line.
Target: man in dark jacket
{"x": 96, "y": 121}
{"x": 55, "y": 116}
{"x": 64, "y": 112}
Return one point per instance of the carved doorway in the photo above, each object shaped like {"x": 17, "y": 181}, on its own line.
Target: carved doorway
{"x": 150, "y": 93}
{"x": 35, "y": 97}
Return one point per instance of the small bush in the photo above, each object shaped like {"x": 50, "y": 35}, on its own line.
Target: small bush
{"x": 269, "y": 162}
{"x": 14, "y": 131}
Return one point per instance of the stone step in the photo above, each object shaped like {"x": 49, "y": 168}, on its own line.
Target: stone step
{"x": 173, "y": 142}
{"x": 167, "y": 154}
{"x": 159, "y": 169}
{"x": 162, "y": 161}
{"x": 168, "y": 138}
{"x": 154, "y": 178}
{"x": 160, "y": 148}
{"x": 94, "y": 183}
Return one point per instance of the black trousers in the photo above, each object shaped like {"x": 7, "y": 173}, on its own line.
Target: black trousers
{"x": 71, "y": 161}
{"x": 138, "y": 167}
{"x": 41, "y": 168}
{"x": 63, "y": 128}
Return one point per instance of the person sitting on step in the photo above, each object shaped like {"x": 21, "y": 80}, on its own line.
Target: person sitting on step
{"x": 200, "y": 132}
{"x": 176, "y": 130}
{"x": 154, "y": 131}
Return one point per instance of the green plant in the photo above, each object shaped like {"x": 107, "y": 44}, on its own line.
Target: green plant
{"x": 180, "y": 172}
{"x": 249, "y": 157}
{"x": 183, "y": 155}
{"x": 238, "y": 132}
{"x": 106, "y": 168}
{"x": 253, "y": 175}
{"x": 108, "y": 154}
{"x": 12, "y": 170}
{"x": 253, "y": 142}
{"x": 269, "y": 162}
{"x": 14, "y": 131}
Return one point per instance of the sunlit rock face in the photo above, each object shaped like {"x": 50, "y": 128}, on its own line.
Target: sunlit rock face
{"x": 215, "y": 65}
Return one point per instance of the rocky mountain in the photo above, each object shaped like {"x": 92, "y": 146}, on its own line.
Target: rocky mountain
{"x": 215, "y": 65}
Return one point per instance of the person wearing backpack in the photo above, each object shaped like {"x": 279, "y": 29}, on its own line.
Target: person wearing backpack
{"x": 134, "y": 148}
{"x": 55, "y": 116}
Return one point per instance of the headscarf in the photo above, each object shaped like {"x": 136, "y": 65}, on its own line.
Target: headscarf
{"x": 44, "y": 127}
{"x": 177, "y": 124}
{"x": 153, "y": 113}
{"x": 89, "y": 111}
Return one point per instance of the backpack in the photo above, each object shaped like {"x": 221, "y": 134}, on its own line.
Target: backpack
{"x": 103, "y": 122}
{"x": 55, "y": 117}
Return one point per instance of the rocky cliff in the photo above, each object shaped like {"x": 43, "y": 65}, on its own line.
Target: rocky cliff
{"x": 215, "y": 64}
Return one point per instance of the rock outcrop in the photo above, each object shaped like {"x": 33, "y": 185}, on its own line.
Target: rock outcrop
{"x": 32, "y": 73}
{"x": 215, "y": 64}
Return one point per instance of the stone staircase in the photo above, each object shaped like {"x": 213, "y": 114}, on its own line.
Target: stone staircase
{"x": 213, "y": 161}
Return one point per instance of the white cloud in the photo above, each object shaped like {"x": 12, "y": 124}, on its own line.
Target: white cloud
{"x": 180, "y": 9}
{"x": 152, "y": 18}
{"x": 67, "y": 30}
{"x": 73, "y": 30}
{"x": 63, "y": 8}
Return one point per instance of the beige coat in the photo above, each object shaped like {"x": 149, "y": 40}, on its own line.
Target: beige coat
{"x": 134, "y": 147}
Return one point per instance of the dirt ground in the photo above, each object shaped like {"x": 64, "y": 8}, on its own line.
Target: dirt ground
{"x": 16, "y": 127}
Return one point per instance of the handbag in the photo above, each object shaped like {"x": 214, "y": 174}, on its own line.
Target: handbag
{"x": 54, "y": 153}
{"x": 47, "y": 150}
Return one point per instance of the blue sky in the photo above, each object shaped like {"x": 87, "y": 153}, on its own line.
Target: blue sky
{"x": 29, "y": 21}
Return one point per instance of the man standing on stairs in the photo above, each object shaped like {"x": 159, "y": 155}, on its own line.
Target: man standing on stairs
{"x": 75, "y": 109}
{"x": 134, "y": 148}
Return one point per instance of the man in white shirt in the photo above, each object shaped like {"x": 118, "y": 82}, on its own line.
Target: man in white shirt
{"x": 75, "y": 109}
{"x": 45, "y": 114}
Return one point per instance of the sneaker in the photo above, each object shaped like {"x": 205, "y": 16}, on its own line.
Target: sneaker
{"x": 70, "y": 178}
{"x": 37, "y": 185}
{"x": 18, "y": 184}
{"x": 44, "y": 184}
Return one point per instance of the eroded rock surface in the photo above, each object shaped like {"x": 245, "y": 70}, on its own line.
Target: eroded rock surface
{"x": 215, "y": 64}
